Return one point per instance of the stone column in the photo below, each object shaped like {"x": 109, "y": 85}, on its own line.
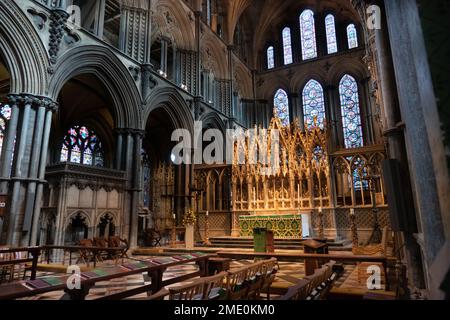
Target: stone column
{"x": 321, "y": 37}
{"x": 424, "y": 147}
{"x": 164, "y": 50}
{"x": 296, "y": 109}
{"x": 332, "y": 113}
{"x": 118, "y": 161}
{"x": 136, "y": 189}
{"x": 20, "y": 180}
{"x": 50, "y": 109}
{"x": 18, "y": 174}
{"x": 365, "y": 106}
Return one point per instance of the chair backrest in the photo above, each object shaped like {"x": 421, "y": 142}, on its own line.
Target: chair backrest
{"x": 86, "y": 243}
{"x": 298, "y": 292}
{"x": 100, "y": 242}
{"x": 114, "y": 241}
{"x": 192, "y": 291}
{"x": 215, "y": 286}
{"x": 236, "y": 283}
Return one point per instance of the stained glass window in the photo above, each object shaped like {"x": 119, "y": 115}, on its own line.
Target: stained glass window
{"x": 352, "y": 36}
{"x": 287, "y": 46}
{"x": 208, "y": 12}
{"x": 350, "y": 110}
{"x": 5, "y": 115}
{"x": 360, "y": 175}
{"x": 281, "y": 106}
{"x": 270, "y": 58}
{"x": 82, "y": 146}
{"x": 308, "y": 35}
{"x": 313, "y": 103}
{"x": 331, "y": 34}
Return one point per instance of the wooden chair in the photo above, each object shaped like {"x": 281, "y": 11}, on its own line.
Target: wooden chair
{"x": 236, "y": 284}
{"x": 321, "y": 281}
{"x": 153, "y": 237}
{"x": 298, "y": 292}
{"x": 85, "y": 254}
{"x": 122, "y": 244}
{"x": 255, "y": 280}
{"x": 101, "y": 243}
{"x": 192, "y": 291}
{"x": 270, "y": 269}
{"x": 215, "y": 287}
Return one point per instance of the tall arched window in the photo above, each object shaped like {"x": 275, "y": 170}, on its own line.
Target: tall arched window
{"x": 5, "y": 115}
{"x": 208, "y": 12}
{"x": 350, "y": 110}
{"x": 308, "y": 35}
{"x": 352, "y": 36}
{"x": 270, "y": 58}
{"x": 287, "y": 46}
{"x": 313, "y": 103}
{"x": 281, "y": 106}
{"x": 82, "y": 146}
{"x": 331, "y": 34}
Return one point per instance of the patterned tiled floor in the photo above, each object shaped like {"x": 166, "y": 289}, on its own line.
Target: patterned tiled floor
{"x": 289, "y": 274}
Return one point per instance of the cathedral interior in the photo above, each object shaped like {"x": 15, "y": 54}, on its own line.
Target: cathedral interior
{"x": 344, "y": 101}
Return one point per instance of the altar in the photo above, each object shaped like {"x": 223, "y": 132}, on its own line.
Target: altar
{"x": 286, "y": 226}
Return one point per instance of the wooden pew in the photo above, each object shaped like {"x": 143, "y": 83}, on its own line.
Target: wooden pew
{"x": 313, "y": 287}
{"x": 206, "y": 288}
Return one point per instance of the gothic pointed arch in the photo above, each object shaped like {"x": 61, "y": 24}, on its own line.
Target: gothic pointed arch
{"x": 112, "y": 73}
{"x": 22, "y": 50}
{"x": 175, "y": 106}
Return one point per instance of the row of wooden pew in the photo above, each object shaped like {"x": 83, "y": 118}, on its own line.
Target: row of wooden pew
{"x": 246, "y": 283}
{"x": 313, "y": 287}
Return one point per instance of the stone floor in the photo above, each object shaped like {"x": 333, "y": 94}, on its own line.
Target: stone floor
{"x": 289, "y": 274}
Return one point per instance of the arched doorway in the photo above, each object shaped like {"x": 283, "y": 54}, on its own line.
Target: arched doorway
{"x": 77, "y": 229}
{"x": 160, "y": 175}
{"x": 106, "y": 227}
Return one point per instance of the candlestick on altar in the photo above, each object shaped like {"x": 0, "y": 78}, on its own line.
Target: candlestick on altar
{"x": 206, "y": 241}
{"x": 298, "y": 194}
{"x": 173, "y": 236}
{"x": 354, "y": 229}
{"x": 321, "y": 226}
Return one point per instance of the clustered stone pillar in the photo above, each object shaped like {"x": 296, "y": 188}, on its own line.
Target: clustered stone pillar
{"x": 128, "y": 158}
{"x": 23, "y": 165}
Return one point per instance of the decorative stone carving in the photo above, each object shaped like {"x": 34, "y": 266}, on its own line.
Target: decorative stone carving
{"x": 58, "y": 20}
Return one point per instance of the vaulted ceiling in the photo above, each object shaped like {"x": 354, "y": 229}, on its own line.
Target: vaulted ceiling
{"x": 261, "y": 18}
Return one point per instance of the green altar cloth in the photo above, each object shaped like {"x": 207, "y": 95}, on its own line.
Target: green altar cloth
{"x": 283, "y": 226}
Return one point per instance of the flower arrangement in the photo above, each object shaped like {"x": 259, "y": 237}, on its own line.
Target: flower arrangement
{"x": 189, "y": 218}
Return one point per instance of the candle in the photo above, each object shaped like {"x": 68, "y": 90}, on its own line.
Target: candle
{"x": 174, "y": 216}
{"x": 352, "y": 212}
{"x": 320, "y": 209}
{"x": 207, "y": 213}
{"x": 298, "y": 193}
